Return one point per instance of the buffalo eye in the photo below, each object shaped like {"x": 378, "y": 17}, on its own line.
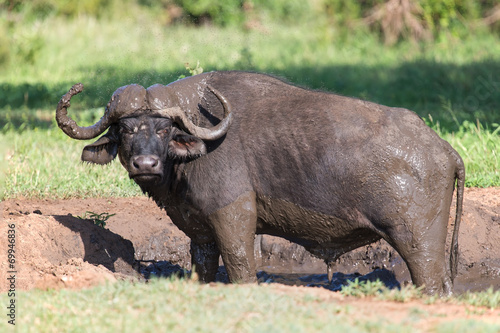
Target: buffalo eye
{"x": 125, "y": 129}
{"x": 162, "y": 131}
{"x": 162, "y": 126}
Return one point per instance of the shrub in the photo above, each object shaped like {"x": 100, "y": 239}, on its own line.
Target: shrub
{"x": 399, "y": 18}
{"x": 392, "y": 19}
{"x": 4, "y": 47}
{"x": 223, "y": 12}
{"x": 287, "y": 11}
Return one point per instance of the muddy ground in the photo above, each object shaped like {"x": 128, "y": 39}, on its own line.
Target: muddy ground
{"x": 57, "y": 249}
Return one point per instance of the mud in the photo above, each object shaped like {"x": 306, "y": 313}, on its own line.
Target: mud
{"x": 56, "y": 249}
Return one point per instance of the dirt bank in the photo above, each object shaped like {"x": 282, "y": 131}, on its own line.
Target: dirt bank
{"x": 56, "y": 248}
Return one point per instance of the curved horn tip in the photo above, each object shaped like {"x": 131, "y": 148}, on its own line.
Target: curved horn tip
{"x": 212, "y": 89}
{"x": 220, "y": 97}
{"x": 77, "y": 88}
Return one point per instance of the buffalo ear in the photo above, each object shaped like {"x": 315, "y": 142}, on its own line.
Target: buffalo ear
{"x": 102, "y": 151}
{"x": 183, "y": 145}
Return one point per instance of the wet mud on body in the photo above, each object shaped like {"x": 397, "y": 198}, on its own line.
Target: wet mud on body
{"x": 59, "y": 250}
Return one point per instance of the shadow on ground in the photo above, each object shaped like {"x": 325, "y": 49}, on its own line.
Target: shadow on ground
{"x": 450, "y": 93}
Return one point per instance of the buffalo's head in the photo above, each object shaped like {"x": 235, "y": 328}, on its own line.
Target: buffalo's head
{"x": 145, "y": 128}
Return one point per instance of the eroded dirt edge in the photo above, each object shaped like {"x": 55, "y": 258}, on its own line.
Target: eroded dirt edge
{"x": 57, "y": 249}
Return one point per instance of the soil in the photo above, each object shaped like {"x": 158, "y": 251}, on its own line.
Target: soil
{"x": 55, "y": 248}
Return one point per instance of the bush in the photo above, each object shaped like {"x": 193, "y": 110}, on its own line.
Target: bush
{"x": 41, "y": 9}
{"x": 492, "y": 16}
{"x": 25, "y": 94}
{"x": 392, "y": 19}
{"x": 287, "y": 11}
{"x": 223, "y": 12}
{"x": 452, "y": 15}
{"x": 4, "y": 47}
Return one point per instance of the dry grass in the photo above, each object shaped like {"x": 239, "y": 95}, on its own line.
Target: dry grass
{"x": 493, "y": 16}
{"x": 399, "y": 18}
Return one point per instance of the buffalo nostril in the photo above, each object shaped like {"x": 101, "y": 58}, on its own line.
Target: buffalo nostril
{"x": 146, "y": 163}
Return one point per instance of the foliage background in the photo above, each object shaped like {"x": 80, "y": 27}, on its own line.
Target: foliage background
{"x": 438, "y": 58}
{"x": 455, "y": 16}
{"x": 407, "y": 34}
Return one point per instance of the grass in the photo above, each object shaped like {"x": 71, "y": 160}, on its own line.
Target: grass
{"x": 449, "y": 82}
{"x": 98, "y": 219}
{"x": 436, "y": 78}
{"x": 45, "y": 163}
{"x": 185, "y": 306}
{"x": 479, "y": 148}
{"x": 377, "y": 289}
{"x": 488, "y": 298}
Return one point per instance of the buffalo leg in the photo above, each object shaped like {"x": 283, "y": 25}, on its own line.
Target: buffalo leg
{"x": 234, "y": 227}
{"x": 205, "y": 260}
{"x": 428, "y": 269}
{"x": 423, "y": 250}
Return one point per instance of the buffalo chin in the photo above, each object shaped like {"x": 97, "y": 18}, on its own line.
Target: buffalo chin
{"x": 147, "y": 179}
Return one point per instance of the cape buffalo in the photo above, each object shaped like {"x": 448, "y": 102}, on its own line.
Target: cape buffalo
{"x": 234, "y": 154}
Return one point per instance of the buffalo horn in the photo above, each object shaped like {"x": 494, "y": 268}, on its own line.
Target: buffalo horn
{"x": 208, "y": 134}
{"x": 70, "y": 127}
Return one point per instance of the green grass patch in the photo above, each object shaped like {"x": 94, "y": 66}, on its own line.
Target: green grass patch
{"x": 175, "y": 306}
{"x": 41, "y": 163}
{"x": 488, "y": 298}
{"x": 46, "y": 164}
{"x": 430, "y": 78}
{"x": 450, "y": 82}
{"x": 479, "y": 147}
{"x": 172, "y": 305}
{"x": 377, "y": 289}
{"x": 98, "y": 219}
